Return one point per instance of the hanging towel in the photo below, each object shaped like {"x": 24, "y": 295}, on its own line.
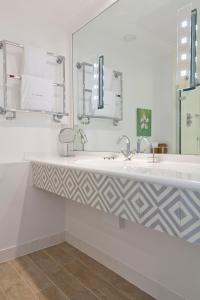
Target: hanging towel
{"x": 37, "y": 93}
{"x": 108, "y": 78}
{"x": 109, "y": 106}
{"x": 35, "y": 62}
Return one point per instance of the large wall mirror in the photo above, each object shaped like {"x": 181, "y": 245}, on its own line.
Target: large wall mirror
{"x": 136, "y": 72}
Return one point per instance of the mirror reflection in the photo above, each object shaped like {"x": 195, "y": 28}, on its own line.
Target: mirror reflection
{"x": 136, "y": 74}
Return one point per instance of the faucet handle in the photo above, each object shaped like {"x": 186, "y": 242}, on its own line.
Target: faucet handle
{"x": 128, "y": 156}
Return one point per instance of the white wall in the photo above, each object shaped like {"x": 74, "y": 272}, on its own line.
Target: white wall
{"x": 165, "y": 267}
{"x": 26, "y": 213}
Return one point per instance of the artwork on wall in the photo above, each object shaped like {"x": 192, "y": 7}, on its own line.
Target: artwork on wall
{"x": 144, "y": 122}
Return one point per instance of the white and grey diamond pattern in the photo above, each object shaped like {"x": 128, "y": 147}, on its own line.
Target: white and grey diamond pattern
{"x": 163, "y": 208}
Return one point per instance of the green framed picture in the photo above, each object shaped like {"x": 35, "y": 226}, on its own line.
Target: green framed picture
{"x": 144, "y": 122}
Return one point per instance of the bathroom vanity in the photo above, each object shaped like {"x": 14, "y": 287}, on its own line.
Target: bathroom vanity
{"x": 164, "y": 196}
{"x": 125, "y": 121}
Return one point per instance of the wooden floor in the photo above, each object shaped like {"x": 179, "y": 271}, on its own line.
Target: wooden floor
{"x": 63, "y": 273}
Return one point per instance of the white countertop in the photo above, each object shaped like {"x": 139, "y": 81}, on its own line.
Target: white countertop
{"x": 180, "y": 174}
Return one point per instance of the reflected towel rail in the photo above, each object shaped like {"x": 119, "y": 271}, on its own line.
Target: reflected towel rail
{"x": 19, "y": 78}
{"x": 84, "y": 117}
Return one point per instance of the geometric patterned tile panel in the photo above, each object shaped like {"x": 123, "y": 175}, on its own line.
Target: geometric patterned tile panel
{"x": 163, "y": 208}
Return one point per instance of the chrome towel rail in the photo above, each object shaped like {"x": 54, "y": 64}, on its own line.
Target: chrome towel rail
{"x": 84, "y": 117}
{"x": 60, "y": 59}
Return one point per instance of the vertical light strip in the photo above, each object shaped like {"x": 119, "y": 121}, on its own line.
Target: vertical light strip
{"x": 198, "y": 49}
{"x": 101, "y": 82}
{"x": 193, "y": 77}
{"x": 95, "y": 88}
{"x": 184, "y": 47}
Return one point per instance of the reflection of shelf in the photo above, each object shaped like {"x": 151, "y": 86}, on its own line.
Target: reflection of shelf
{"x": 11, "y": 113}
{"x": 88, "y": 91}
{"x": 11, "y": 76}
{"x": 197, "y": 115}
{"x": 85, "y": 117}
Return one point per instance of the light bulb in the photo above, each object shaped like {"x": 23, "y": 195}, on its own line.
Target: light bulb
{"x": 183, "y": 73}
{"x": 184, "y": 40}
{"x": 184, "y": 24}
{"x": 184, "y": 56}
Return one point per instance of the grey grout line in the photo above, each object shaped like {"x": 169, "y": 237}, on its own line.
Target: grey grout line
{"x": 53, "y": 285}
{"x": 2, "y": 291}
{"x": 23, "y": 279}
{"x": 27, "y": 283}
{"x": 79, "y": 260}
{"x": 44, "y": 273}
{"x": 62, "y": 267}
{"x": 99, "y": 275}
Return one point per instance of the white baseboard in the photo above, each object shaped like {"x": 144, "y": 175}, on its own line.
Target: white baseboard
{"x": 146, "y": 284}
{"x": 31, "y": 246}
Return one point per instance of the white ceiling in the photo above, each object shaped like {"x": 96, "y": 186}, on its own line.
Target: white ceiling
{"x": 53, "y": 18}
{"x": 146, "y": 19}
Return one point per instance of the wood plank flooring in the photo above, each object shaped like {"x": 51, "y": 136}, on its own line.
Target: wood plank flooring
{"x": 63, "y": 272}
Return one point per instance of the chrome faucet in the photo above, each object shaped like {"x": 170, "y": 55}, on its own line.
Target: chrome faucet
{"x": 80, "y": 134}
{"x": 83, "y": 137}
{"x": 139, "y": 141}
{"x": 128, "y": 154}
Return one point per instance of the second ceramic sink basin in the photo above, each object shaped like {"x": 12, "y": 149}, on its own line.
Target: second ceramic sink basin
{"x": 114, "y": 163}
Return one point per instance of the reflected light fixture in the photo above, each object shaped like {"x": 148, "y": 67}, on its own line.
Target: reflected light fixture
{"x": 129, "y": 38}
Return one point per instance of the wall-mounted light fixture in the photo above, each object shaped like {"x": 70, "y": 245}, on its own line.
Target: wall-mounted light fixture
{"x": 187, "y": 48}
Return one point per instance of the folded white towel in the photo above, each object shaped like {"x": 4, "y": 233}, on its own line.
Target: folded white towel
{"x": 37, "y": 93}
{"x": 109, "y": 106}
{"x": 35, "y": 62}
{"x": 108, "y": 79}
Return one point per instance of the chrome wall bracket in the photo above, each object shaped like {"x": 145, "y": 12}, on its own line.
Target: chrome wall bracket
{"x": 57, "y": 118}
{"x": 85, "y": 120}
{"x": 115, "y": 122}
{"x": 9, "y": 115}
{"x": 59, "y": 59}
{"x": 79, "y": 65}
